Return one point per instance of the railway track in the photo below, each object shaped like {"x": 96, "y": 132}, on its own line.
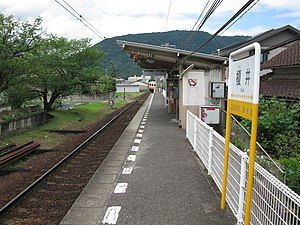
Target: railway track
{"x": 6, "y": 148}
{"x": 10, "y": 153}
{"x": 48, "y": 199}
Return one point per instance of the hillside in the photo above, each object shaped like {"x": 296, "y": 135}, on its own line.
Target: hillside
{"x": 126, "y": 67}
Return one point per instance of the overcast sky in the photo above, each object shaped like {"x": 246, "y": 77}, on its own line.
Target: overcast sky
{"x": 118, "y": 17}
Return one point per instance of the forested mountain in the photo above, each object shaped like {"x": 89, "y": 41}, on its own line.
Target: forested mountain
{"x": 126, "y": 67}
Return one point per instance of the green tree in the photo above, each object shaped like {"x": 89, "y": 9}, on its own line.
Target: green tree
{"x": 62, "y": 67}
{"x": 292, "y": 168}
{"x": 278, "y": 133}
{"x": 107, "y": 84}
{"x": 17, "y": 41}
{"x": 111, "y": 80}
{"x": 278, "y": 122}
{"x": 112, "y": 70}
{"x": 16, "y": 95}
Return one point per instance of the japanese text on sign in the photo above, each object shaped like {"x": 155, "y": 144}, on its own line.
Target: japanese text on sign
{"x": 241, "y": 79}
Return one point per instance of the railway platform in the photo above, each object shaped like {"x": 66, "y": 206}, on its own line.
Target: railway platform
{"x": 151, "y": 176}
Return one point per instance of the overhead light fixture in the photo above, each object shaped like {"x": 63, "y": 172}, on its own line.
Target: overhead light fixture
{"x": 150, "y": 60}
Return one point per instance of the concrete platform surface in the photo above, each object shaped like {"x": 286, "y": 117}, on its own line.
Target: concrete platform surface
{"x": 151, "y": 176}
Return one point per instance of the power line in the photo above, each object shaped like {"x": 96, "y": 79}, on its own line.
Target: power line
{"x": 201, "y": 14}
{"x": 223, "y": 27}
{"x": 210, "y": 11}
{"x": 239, "y": 17}
{"x": 67, "y": 10}
{"x": 80, "y": 18}
{"x": 168, "y": 16}
{"x": 83, "y": 18}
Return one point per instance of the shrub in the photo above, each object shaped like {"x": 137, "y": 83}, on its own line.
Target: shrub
{"x": 292, "y": 168}
{"x": 277, "y": 122}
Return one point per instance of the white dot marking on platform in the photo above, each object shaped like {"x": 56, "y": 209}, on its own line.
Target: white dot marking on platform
{"x": 127, "y": 170}
{"x": 141, "y": 131}
{"x": 131, "y": 158}
{"x": 121, "y": 188}
{"x": 135, "y": 148}
{"x": 139, "y": 135}
{"x": 143, "y": 122}
{"x": 137, "y": 141}
{"x": 111, "y": 215}
{"x": 143, "y": 127}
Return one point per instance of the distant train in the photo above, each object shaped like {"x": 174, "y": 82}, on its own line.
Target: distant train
{"x": 152, "y": 86}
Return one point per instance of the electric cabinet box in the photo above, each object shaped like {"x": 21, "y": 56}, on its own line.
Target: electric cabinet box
{"x": 210, "y": 114}
{"x": 217, "y": 89}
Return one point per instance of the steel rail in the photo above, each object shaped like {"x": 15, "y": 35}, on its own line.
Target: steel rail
{"x": 7, "y": 147}
{"x": 47, "y": 173}
{"x": 8, "y": 150}
{"x": 17, "y": 153}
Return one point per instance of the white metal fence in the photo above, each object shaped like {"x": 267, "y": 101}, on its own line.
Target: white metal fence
{"x": 272, "y": 202}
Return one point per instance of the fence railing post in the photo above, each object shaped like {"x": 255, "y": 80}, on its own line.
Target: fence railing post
{"x": 195, "y": 133}
{"x": 210, "y": 145}
{"x": 243, "y": 172}
{"x": 187, "y": 124}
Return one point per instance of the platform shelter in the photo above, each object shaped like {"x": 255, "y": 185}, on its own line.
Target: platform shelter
{"x": 189, "y": 81}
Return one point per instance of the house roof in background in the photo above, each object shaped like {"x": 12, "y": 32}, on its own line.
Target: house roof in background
{"x": 257, "y": 38}
{"x": 287, "y": 58}
{"x": 280, "y": 87}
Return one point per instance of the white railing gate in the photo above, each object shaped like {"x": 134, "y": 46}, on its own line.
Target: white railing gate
{"x": 273, "y": 203}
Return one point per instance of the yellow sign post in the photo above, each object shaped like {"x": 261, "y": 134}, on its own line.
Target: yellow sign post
{"x": 243, "y": 97}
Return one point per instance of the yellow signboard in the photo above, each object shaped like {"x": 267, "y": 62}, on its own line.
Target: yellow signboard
{"x": 239, "y": 108}
{"x": 243, "y": 97}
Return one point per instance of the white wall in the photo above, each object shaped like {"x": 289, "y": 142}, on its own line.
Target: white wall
{"x": 204, "y": 78}
{"x": 271, "y": 54}
{"x": 128, "y": 88}
{"x": 194, "y": 95}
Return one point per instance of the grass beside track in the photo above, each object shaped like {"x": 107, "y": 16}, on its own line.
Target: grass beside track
{"x": 76, "y": 118}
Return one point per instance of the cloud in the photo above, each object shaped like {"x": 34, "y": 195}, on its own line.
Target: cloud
{"x": 247, "y": 32}
{"x": 292, "y": 5}
{"x": 118, "y": 17}
{"x": 288, "y": 15}
{"x": 22, "y": 9}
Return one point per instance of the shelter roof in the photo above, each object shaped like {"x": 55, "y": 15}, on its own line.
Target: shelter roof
{"x": 158, "y": 57}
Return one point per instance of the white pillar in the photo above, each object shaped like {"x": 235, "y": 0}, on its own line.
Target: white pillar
{"x": 210, "y": 145}
{"x": 195, "y": 132}
{"x": 243, "y": 172}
